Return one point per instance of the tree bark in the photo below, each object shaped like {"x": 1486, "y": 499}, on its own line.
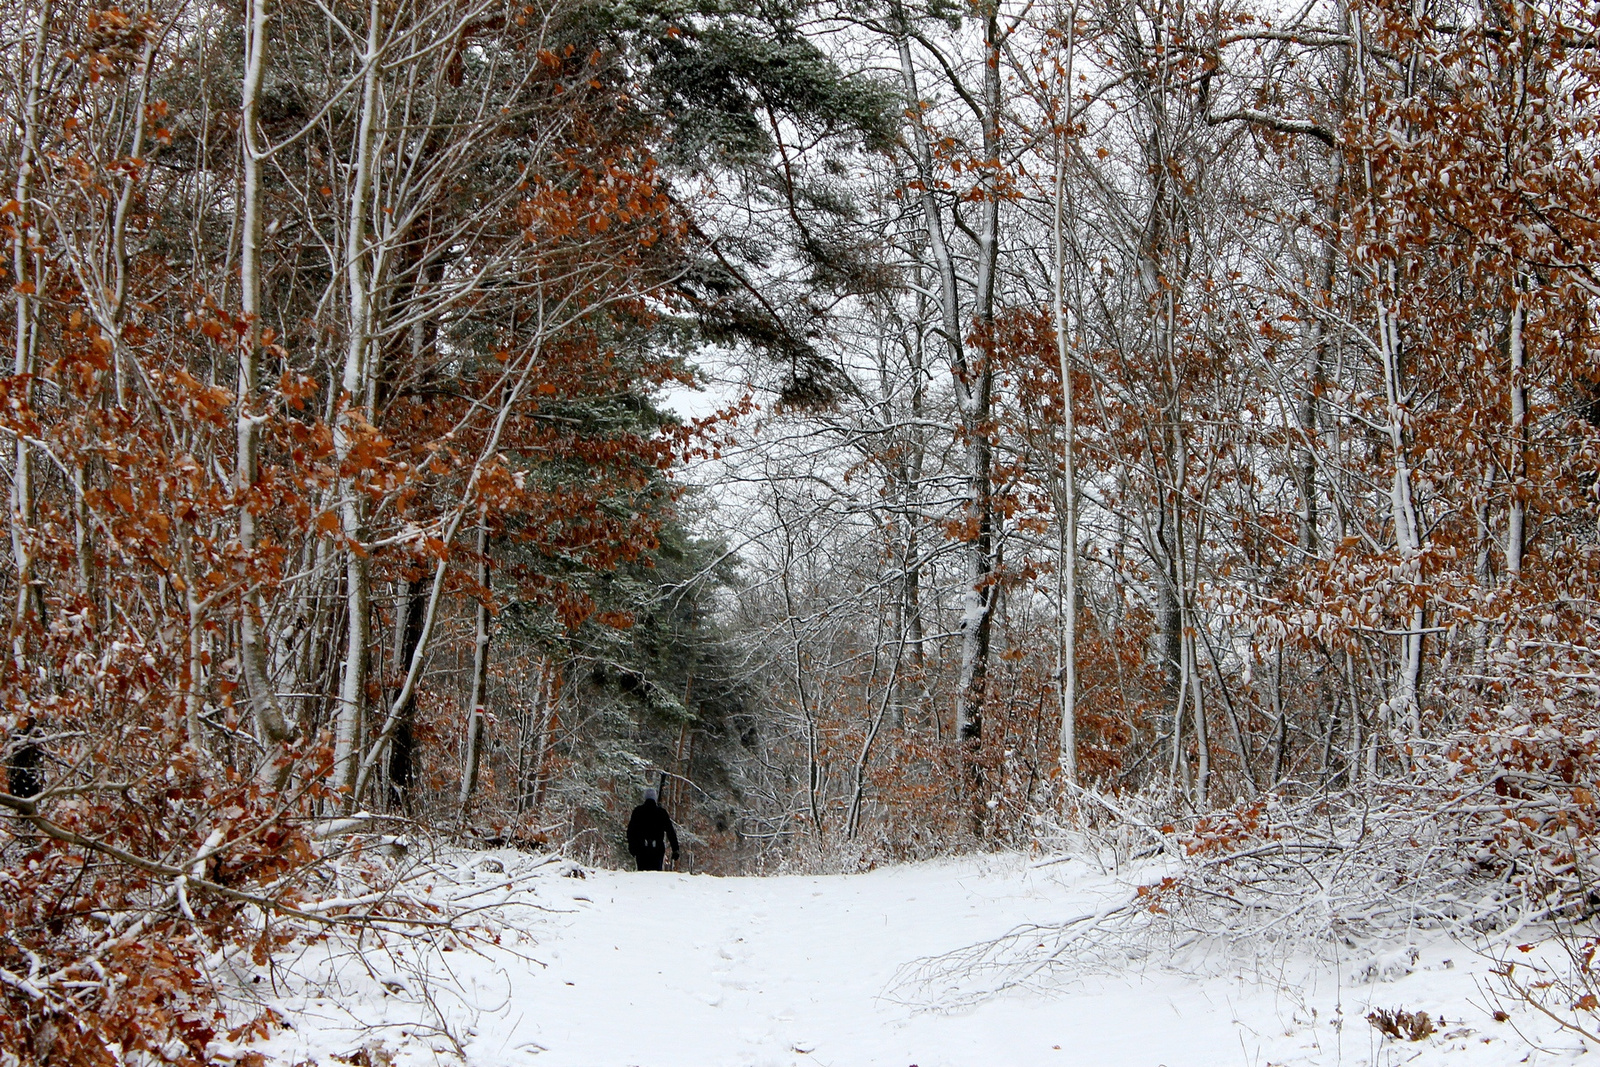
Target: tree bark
{"x": 27, "y": 281}
{"x": 1067, "y": 587}
{"x": 1516, "y": 520}
{"x": 402, "y": 746}
{"x": 480, "y": 682}
{"x": 356, "y": 401}
{"x": 1403, "y": 511}
{"x": 270, "y": 722}
{"x": 973, "y": 382}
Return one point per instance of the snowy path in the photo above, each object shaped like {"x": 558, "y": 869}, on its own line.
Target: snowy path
{"x": 666, "y": 970}
{"x": 759, "y": 971}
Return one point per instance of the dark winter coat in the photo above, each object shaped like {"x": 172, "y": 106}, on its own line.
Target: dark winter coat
{"x": 649, "y": 829}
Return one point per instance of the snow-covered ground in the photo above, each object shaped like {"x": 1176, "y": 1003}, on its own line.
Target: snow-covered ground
{"x": 614, "y": 969}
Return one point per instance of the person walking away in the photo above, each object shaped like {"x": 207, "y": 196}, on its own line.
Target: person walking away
{"x": 649, "y": 830}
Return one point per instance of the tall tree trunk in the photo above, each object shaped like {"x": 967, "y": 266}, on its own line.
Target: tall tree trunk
{"x": 356, "y": 383}
{"x": 974, "y": 393}
{"x": 1516, "y": 521}
{"x": 1202, "y": 732}
{"x": 480, "y": 681}
{"x": 1403, "y": 692}
{"x": 1403, "y": 512}
{"x": 547, "y": 695}
{"x": 1188, "y": 624}
{"x": 1321, "y": 342}
{"x": 194, "y": 662}
{"x": 27, "y": 281}
{"x": 973, "y": 384}
{"x": 815, "y": 772}
{"x": 1067, "y": 585}
{"x": 270, "y": 722}
{"x": 1169, "y": 646}
{"x": 1280, "y": 743}
{"x": 409, "y": 610}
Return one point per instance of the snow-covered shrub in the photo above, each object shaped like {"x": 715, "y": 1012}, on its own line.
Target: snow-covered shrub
{"x": 1494, "y": 826}
{"x": 117, "y": 885}
{"x": 1563, "y": 985}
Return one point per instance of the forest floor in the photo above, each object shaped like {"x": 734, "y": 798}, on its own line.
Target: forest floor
{"x": 619, "y": 969}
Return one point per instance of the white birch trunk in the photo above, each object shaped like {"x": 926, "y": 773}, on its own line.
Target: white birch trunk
{"x": 1403, "y": 694}
{"x": 355, "y": 385}
{"x": 119, "y": 227}
{"x": 1516, "y": 523}
{"x": 1067, "y": 588}
{"x": 270, "y": 723}
{"x": 1403, "y": 513}
{"x": 26, "y": 280}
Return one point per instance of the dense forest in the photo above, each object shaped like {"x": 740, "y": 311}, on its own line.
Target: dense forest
{"x": 889, "y": 427}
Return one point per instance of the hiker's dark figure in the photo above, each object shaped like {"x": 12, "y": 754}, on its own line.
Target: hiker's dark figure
{"x": 649, "y": 831}
{"x": 25, "y": 762}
